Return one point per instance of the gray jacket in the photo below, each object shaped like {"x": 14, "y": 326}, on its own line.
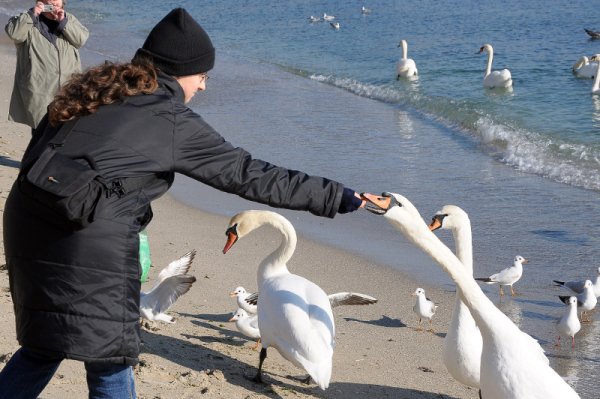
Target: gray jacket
{"x": 47, "y": 55}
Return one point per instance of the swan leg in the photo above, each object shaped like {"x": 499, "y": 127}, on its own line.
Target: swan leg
{"x": 258, "y": 377}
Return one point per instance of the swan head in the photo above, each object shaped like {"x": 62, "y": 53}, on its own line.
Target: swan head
{"x": 238, "y": 315}
{"x": 237, "y": 292}
{"x": 242, "y": 224}
{"x": 486, "y": 47}
{"x": 448, "y": 218}
{"x": 402, "y": 43}
{"x": 520, "y": 259}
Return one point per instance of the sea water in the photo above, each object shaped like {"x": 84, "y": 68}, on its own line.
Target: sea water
{"x": 523, "y": 163}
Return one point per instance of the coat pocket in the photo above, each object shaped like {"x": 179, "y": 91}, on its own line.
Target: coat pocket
{"x": 68, "y": 192}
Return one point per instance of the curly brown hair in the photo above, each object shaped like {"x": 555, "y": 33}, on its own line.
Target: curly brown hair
{"x": 101, "y": 85}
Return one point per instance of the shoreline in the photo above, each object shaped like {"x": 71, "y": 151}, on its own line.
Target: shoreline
{"x": 378, "y": 352}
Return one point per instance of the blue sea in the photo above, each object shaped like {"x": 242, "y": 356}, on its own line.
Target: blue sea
{"x": 523, "y": 163}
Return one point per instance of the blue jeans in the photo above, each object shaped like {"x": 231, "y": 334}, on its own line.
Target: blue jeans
{"x": 26, "y": 375}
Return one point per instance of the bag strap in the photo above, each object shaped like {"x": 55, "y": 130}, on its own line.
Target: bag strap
{"x": 59, "y": 139}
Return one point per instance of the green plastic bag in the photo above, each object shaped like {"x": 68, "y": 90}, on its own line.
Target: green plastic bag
{"x": 145, "y": 259}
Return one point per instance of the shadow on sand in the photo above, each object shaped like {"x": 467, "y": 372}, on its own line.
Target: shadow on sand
{"x": 201, "y": 357}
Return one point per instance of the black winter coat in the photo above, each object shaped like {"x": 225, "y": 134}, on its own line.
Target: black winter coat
{"x": 76, "y": 293}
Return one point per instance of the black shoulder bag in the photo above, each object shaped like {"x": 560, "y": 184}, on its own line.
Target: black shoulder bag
{"x": 69, "y": 193}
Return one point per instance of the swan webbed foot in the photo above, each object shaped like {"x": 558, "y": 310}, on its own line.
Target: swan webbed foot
{"x": 305, "y": 380}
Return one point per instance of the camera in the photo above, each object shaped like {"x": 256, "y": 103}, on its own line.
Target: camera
{"x": 48, "y": 8}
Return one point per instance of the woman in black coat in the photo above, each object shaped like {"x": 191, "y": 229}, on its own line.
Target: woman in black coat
{"x": 76, "y": 291}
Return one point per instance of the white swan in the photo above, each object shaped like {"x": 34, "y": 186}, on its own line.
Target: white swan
{"x": 586, "y": 301}
{"x": 405, "y": 67}
{"x": 569, "y": 323}
{"x": 423, "y": 307}
{"x": 583, "y": 68}
{"x": 578, "y": 286}
{"x": 172, "y": 282}
{"x": 513, "y": 364}
{"x": 294, "y": 315}
{"x": 494, "y": 79}
{"x": 241, "y": 297}
{"x": 596, "y": 86}
{"x": 507, "y": 276}
{"x": 247, "y": 324}
{"x": 463, "y": 342}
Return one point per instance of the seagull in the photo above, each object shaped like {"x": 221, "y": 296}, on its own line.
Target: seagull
{"x": 172, "y": 283}
{"x": 242, "y": 299}
{"x": 586, "y": 301}
{"x": 337, "y": 299}
{"x": 593, "y": 34}
{"x": 569, "y": 324}
{"x": 247, "y": 325}
{"x": 507, "y": 276}
{"x": 513, "y": 364}
{"x": 577, "y": 286}
{"x": 328, "y": 17}
{"x": 365, "y": 10}
{"x": 424, "y": 307}
{"x": 335, "y": 25}
{"x": 312, "y": 18}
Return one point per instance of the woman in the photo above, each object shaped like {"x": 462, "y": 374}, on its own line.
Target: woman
{"x": 76, "y": 292}
{"x": 48, "y": 44}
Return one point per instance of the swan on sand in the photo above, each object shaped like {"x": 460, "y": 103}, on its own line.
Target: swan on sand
{"x": 294, "y": 315}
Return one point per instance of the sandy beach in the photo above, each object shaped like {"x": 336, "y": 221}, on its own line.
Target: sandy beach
{"x": 379, "y": 352}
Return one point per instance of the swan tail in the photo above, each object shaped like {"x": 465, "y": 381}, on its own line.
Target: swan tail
{"x": 320, "y": 373}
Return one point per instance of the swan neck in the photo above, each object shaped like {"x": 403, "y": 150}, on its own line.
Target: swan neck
{"x": 277, "y": 260}
{"x": 464, "y": 246}
{"x": 404, "y": 49}
{"x": 488, "y": 68}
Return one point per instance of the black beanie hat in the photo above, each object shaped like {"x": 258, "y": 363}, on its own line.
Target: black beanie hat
{"x": 178, "y": 45}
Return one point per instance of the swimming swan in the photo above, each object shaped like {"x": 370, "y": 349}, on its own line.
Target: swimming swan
{"x": 463, "y": 342}
{"x": 494, "y": 79}
{"x": 583, "y": 68}
{"x": 513, "y": 364}
{"x": 406, "y": 67}
{"x": 294, "y": 315}
{"x": 596, "y": 86}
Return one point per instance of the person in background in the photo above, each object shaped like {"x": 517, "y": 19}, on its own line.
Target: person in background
{"x": 47, "y": 40}
{"x": 76, "y": 293}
